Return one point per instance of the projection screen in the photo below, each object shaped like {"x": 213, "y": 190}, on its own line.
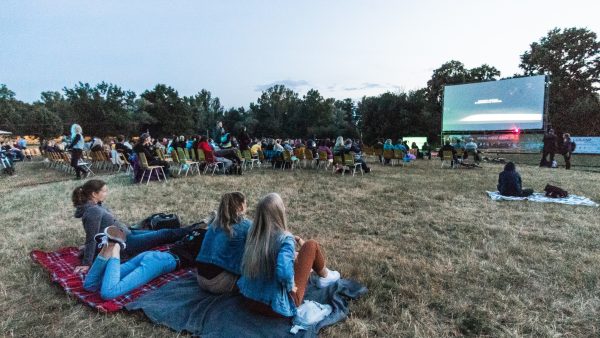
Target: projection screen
{"x": 495, "y": 105}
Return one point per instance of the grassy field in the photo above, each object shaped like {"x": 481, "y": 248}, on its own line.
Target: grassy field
{"x": 438, "y": 256}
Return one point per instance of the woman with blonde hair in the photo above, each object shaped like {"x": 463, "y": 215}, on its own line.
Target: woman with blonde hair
{"x": 220, "y": 257}
{"x": 76, "y": 148}
{"x": 274, "y": 277}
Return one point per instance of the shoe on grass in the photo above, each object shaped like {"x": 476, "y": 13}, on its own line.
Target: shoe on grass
{"x": 332, "y": 277}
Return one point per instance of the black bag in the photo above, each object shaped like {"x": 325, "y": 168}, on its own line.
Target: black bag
{"x": 573, "y": 146}
{"x": 555, "y": 192}
{"x": 161, "y": 221}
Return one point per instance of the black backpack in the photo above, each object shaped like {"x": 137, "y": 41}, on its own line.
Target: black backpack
{"x": 555, "y": 192}
{"x": 161, "y": 221}
{"x": 573, "y": 146}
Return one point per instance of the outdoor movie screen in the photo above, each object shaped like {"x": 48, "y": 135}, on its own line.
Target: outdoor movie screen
{"x": 495, "y": 105}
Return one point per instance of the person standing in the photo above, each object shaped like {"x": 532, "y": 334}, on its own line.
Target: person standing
{"x": 568, "y": 147}
{"x": 549, "y": 149}
{"x": 76, "y": 147}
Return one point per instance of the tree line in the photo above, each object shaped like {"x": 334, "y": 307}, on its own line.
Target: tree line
{"x": 571, "y": 57}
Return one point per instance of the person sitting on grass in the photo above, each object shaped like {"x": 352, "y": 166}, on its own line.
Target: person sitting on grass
{"x": 220, "y": 257}
{"x": 95, "y": 217}
{"x": 509, "y": 182}
{"x": 114, "y": 279}
{"x": 275, "y": 277}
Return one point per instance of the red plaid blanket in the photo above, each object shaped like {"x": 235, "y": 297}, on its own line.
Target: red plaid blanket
{"x": 61, "y": 263}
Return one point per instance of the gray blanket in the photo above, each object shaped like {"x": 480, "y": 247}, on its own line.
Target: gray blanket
{"x": 183, "y": 306}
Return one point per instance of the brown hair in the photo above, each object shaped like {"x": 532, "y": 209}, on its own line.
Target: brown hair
{"x": 84, "y": 192}
{"x": 228, "y": 213}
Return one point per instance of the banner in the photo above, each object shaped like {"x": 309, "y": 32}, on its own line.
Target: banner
{"x": 509, "y": 142}
{"x": 586, "y": 144}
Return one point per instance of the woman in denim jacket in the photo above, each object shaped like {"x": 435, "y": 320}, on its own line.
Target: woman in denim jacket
{"x": 220, "y": 258}
{"x": 274, "y": 277}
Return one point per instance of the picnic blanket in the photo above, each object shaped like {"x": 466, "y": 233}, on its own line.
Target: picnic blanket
{"x": 60, "y": 265}
{"x": 183, "y": 306}
{"x": 540, "y": 197}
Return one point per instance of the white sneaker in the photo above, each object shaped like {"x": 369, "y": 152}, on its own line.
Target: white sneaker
{"x": 332, "y": 277}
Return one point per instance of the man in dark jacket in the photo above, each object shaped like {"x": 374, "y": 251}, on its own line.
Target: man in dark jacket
{"x": 448, "y": 147}
{"x": 549, "y": 148}
{"x": 509, "y": 182}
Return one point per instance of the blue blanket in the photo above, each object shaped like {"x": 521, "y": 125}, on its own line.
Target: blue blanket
{"x": 183, "y": 306}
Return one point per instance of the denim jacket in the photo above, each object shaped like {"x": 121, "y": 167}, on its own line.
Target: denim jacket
{"x": 224, "y": 251}
{"x": 275, "y": 291}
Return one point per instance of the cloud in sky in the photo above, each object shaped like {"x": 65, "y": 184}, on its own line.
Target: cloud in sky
{"x": 292, "y": 84}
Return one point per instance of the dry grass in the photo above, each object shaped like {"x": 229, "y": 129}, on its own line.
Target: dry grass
{"x": 439, "y": 258}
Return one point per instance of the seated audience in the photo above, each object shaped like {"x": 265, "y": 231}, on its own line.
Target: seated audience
{"x": 448, "y": 147}
{"x": 144, "y": 146}
{"x": 208, "y": 149}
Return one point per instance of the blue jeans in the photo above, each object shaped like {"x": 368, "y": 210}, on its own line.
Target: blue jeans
{"x": 115, "y": 279}
{"x": 144, "y": 240}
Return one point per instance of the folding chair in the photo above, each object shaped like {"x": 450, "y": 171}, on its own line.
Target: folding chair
{"x": 350, "y": 163}
{"x": 150, "y": 169}
{"x": 447, "y": 156}
{"x": 211, "y": 161}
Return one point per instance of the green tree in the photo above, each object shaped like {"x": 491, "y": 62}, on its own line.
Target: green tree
{"x": 273, "y": 110}
{"x": 571, "y": 57}
{"x": 171, "y": 116}
{"x": 102, "y": 110}
{"x": 205, "y": 110}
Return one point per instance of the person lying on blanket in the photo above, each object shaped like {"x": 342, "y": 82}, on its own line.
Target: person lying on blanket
{"x": 220, "y": 257}
{"x": 509, "y": 182}
{"x": 114, "y": 279}
{"x": 274, "y": 278}
{"x": 87, "y": 200}
{"x": 218, "y": 273}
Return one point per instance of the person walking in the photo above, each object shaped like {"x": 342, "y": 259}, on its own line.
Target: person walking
{"x": 76, "y": 147}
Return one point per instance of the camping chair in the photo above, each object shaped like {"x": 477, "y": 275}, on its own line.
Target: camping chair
{"x": 379, "y": 153}
{"x": 200, "y": 157}
{"x": 249, "y": 160}
{"x": 398, "y": 156}
{"x": 287, "y": 158}
{"x": 180, "y": 162}
{"x": 261, "y": 156}
{"x": 184, "y": 159}
{"x": 388, "y": 155}
{"x": 299, "y": 153}
{"x": 447, "y": 157}
{"x": 350, "y": 163}
{"x": 459, "y": 155}
{"x": 337, "y": 160}
{"x": 323, "y": 160}
{"x": 211, "y": 161}
{"x": 150, "y": 169}
{"x": 124, "y": 161}
{"x": 308, "y": 158}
